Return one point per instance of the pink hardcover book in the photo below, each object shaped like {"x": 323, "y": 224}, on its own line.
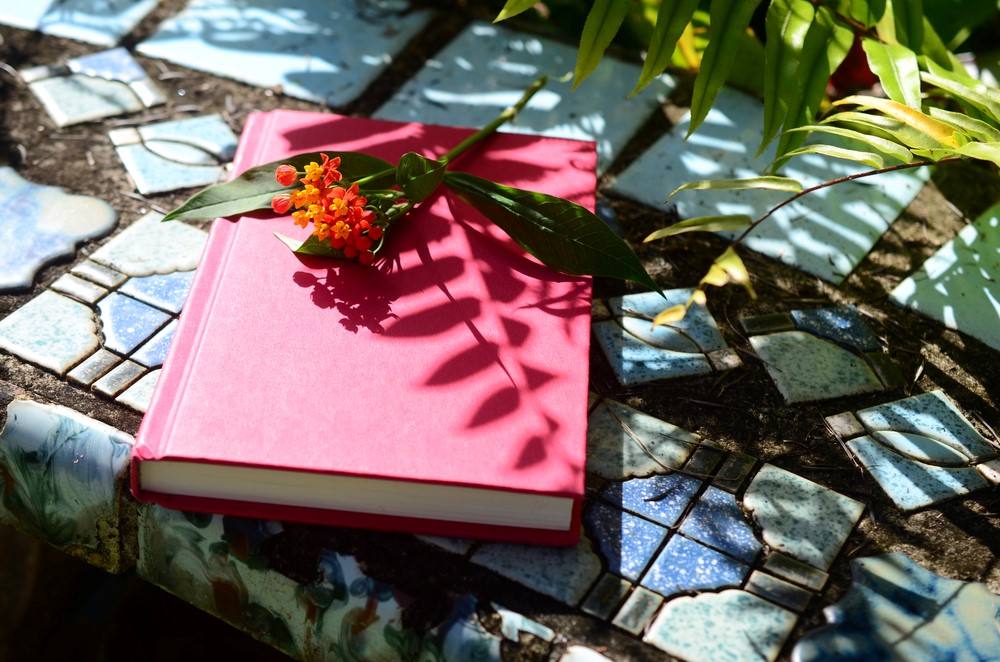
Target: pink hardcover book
{"x": 441, "y": 391}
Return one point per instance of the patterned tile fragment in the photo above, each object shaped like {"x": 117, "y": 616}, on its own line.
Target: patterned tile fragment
{"x": 648, "y": 446}
{"x": 52, "y": 331}
{"x": 103, "y": 22}
{"x": 127, "y": 323}
{"x": 150, "y": 247}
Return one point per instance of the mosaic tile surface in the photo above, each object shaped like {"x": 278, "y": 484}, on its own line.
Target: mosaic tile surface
{"x": 639, "y": 353}
{"x": 717, "y": 520}
{"x": 92, "y": 87}
{"x": 920, "y": 450}
{"x": 327, "y": 53}
{"x": 487, "y": 68}
{"x": 102, "y": 22}
{"x": 627, "y": 542}
{"x": 185, "y": 153}
{"x": 686, "y": 565}
{"x": 52, "y": 331}
{"x": 41, "y": 223}
{"x": 826, "y": 233}
{"x": 958, "y": 285}
{"x": 62, "y": 479}
{"x": 897, "y": 610}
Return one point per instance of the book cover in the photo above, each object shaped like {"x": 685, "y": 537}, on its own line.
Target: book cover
{"x": 441, "y": 391}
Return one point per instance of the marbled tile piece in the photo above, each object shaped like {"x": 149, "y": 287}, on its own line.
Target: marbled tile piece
{"x": 778, "y": 590}
{"x": 648, "y": 446}
{"x": 41, "y": 223}
{"x": 842, "y": 324}
{"x": 959, "y": 285}
{"x": 563, "y": 573}
{"x": 52, "y": 331}
{"x": 807, "y": 368}
{"x": 731, "y": 626}
{"x": 151, "y": 247}
{"x": 909, "y": 483}
{"x": 799, "y": 517}
{"x": 119, "y": 379}
{"x": 635, "y": 362}
{"x": 685, "y": 565}
{"x": 579, "y": 653}
{"x": 733, "y": 472}
{"x": 796, "y": 571}
{"x": 826, "y": 233}
{"x": 717, "y": 520}
{"x": 662, "y": 499}
{"x": 607, "y": 594}
{"x": 96, "y": 365}
{"x": 127, "y": 323}
{"x": 78, "y": 288}
{"x": 626, "y": 542}
{"x": 324, "y": 53}
{"x": 184, "y": 153}
{"x": 92, "y": 87}
{"x": 638, "y": 610}
{"x": 62, "y": 479}
{"x": 897, "y": 610}
{"x": 165, "y": 291}
{"x": 102, "y": 22}
{"x": 98, "y": 273}
{"x": 138, "y": 395}
{"x": 154, "y": 351}
{"x": 487, "y": 68}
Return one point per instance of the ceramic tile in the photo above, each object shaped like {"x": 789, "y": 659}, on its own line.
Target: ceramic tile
{"x": 119, "y": 379}
{"x": 105, "y": 22}
{"x": 734, "y": 472}
{"x": 703, "y": 462}
{"x": 579, "y": 653}
{"x": 127, "y": 323}
{"x": 662, "y": 499}
{"x": 796, "y": 571}
{"x": 623, "y": 443}
{"x": 635, "y": 362}
{"x": 843, "y": 325}
{"x": 638, "y": 610}
{"x": 52, "y": 331}
{"x": 513, "y": 625}
{"x": 897, "y": 610}
{"x": 184, "y": 153}
{"x": 958, "y": 285}
{"x": 779, "y": 591}
{"x": 845, "y": 425}
{"x": 39, "y": 224}
{"x": 685, "y": 565}
{"x": 731, "y": 626}
{"x": 717, "y": 520}
{"x": 93, "y": 87}
{"x": 563, "y": 573}
{"x": 909, "y": 483}
{"x": 607, "y": 594}
{"x": 154, "y": 351}
{"x": 150, "y": 247}
{"x": 78, "y": 288}
{"x": 98, "y": 273}
{"x": 487, "y": 67}
{"x": 165, "y": 291}
{"x": 990, "y": 471}
{"x": 806, "y": 368}
{"x": 626, "y": 542}
{"x": 799, "y": 518}
{"x": 769, "y": 323}
{"x": 462, "y": 632}
{"x": 96, "y": 365}
{"x": 138, "y": 395}
{"x": 319, "y": 52}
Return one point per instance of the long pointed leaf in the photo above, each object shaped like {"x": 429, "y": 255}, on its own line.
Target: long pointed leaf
{"x": 890, "y": 148}
{"x": 603, "y": 22}
{"x": 939, "y": 131}
{"x": 982, "y": 151}
{"x": 562, "y": 234}
{"x": 418, "y": 176}
{"x": 866, "y": 12}
{"x": 885, "y": 127}
{"x": 787, "y": 24}
{"x": 672, "y": 18}
{"x": 867, "y": 158}
{"x": 769, "y": 183}
{"x": 908, "y": 16}
{"x": 897, "y": 69}
{"x": 728, "y": 21}
{"x": 513, "y": 8}
{"x": 702, "y": 224}
{"x": 976, "y": 129}
{"x": 976, "y": 94}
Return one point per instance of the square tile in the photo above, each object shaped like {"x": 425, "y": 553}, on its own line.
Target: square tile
{"x": 52, "y": 331}
{"x": 626, "y": 542}
{"x": 718, "y": 521}
{"x": 127, "y": 323}
{"x": 164, "y": 291}
{"x": 686, "y": 566}
{"x": 96, "y": 366}
{"x": 103, "y": 22}
{"x": 607, "y": 594}
{"x": 638, "y": 610}
{"x": 662, "y": 499}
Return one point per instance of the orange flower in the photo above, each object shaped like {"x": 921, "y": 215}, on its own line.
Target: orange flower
{"x": 286, "y": 174}
{"x": 326, "y": 172}
{"x": 281, "y": 203}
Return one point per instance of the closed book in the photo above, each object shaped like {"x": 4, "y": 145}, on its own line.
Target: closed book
{"x": 442, "y": 390}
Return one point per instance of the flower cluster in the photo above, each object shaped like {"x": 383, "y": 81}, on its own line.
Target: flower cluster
{"x": 337, "y": 214}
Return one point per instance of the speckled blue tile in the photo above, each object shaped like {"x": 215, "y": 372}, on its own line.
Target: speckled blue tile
{"x": 731, "y": 626}
{"x": 563, "y": 573}
{"x": 52, "y": 331}
{"x": 662, "y": 499}
{"x": 638, "y": 610}
{"x": 487, "y": 67}
{"x": 696, "y": 332}
{"x": 78, "y": 288}
{"x": 799, "y": 517}
{"x": 151, "y": 247}
{"x": 959, "y": 285}
{"x": 626, "y": 542}
{"x": 98, "y": 273}
{"x": 102, "y": 22}
{"x": 154, "y": 351}
{"x": 127, "y": 323}
{"x": 165, "y": 291}
{"x": 93, "y": 87}
{"x": 843, "y": 324}
{"x": 635, "y": 362}
{"x": 717, "y": 520}
{"x": 122, "y": 377}
{"x": 686, "y": 566}
{"x": 41, "y": 223}
{"x": 779, "y": 591}
{"x": 806, "y": 368}
{"x": 826, "y": 233}
{"x": 897, "y": 610}
{"x": 327, "y": 53}
{"x": 96, "y": 366}
{"x": 623, "y": 443}
{"x": 603, "y": 600}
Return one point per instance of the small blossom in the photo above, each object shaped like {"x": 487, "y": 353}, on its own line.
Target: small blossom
{"x": 375, "y": 232}
{"x": 281, "y": 203}
{"x": 286, "y": 174}
{"x": 366, "y": 257}
{"x": 363, "y": 243}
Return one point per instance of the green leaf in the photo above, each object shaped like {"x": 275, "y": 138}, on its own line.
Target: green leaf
{"x": 982, "y": 151}
{"x": 939, "y": 131}
{"x": 254, "y": 188}
{"x": 418, "y": 177}
{"x": 702, "y": 224}
{"x": 513, "y": 8}
{"x": 976, "y": 129}
{"x": 728, "y": 20}
{"x": 787, "y": 24}
{"x": 671, "y": 20}
{"x": 936, "y": 153}
{"x": 885, "y": 127}
{"x": 867, "y": 158}
{"x": 769, "y": 183}
{"x": 903, "y": 23}
{"x": 560, "y": 233}
{"x": 311, "y": 246}
{"x": 936, "y": 50}
{"x": 890, "y": 148}
{"x": 974, "y": 94}
{"x": 897, "y": 69}
{"x": 866, "y": 12}
{"x": 602, "y": 25}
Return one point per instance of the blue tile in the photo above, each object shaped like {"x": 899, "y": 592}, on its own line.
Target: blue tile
{"x": 52, "y": 331}
{"x": 685, "y": 565}
{"x": 153, "y": 353}
{"x": 717, "y": 520}
{"x": 625, "y": 541}
{"x": 843, "y": 324}
{"x": 660, "y": 498}
{"x": 165, "y": 291}
{"x": 636, "y": 362}
{"x": 105, "y": 22}
{"x": 127, "y": 323}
